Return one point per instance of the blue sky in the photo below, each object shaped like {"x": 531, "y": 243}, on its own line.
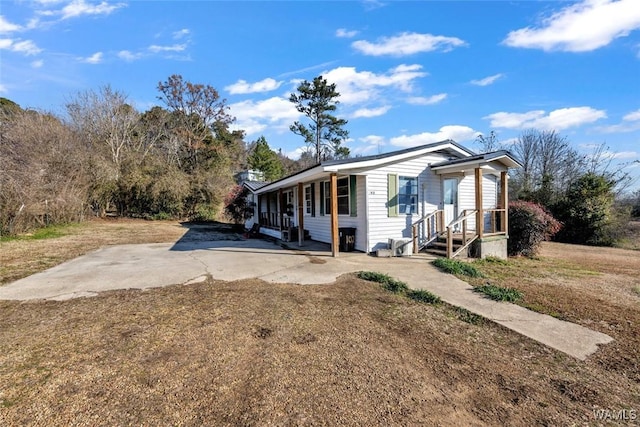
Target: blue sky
{"x": 409, "y": 72}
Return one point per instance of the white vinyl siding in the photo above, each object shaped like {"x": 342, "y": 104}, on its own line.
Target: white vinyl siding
{"x": 320, "y": 226}
{"x": 382, "y": 226}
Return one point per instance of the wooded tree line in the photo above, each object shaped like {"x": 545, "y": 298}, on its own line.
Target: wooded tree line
{"x": 105, "y": 157}
{"x": 584, "y": 192}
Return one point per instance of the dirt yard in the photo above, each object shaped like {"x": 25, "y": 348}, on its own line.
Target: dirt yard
{"x": 252, "y": 353}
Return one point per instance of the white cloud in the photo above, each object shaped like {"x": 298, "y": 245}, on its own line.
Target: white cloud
{"x": 254, "y": 117}
{"x": 172, "y": 48}
{"x": 8, "y": 27}
{"x": 407, "y": 44}
{"x": 370, "y": 112}
{"x": 128, "y": 55}
{"x": 181, "y": 33}
{"x": 242, "y": 86}
{"x": 96, "y": 58}
{"x": 372, "y": 144}
{"x": 560, "y": 119}
{"x": 26, "y": 47}
{"x": 81, "y": 7}
{"x": 630, "y": 123}
{"x": 429, "y": 100}
{"x": 344, "y": 33}
{"x": 455, "y": 132}
{"x": 487, "y": 80}
{"x": 3, "y": 88}
{"x": 632, "y": 116}
{"x": 373, "y": 140}
{"x": 356, "y": 87}
{"x": 37, "y": 64}
{"x": 580, "y": 27}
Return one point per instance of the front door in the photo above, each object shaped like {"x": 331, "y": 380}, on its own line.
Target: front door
{"x": 450, "y": 201}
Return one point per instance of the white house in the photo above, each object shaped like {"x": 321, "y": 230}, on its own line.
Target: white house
{"x": 440, "y": 190}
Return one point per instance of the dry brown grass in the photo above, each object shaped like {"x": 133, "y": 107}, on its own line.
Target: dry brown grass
{"x": 252, "y": 353}
{"x": 21, "y": 258}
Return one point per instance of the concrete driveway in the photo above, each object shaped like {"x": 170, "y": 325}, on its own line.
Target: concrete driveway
{"x": 192, "y": 260}
{"x": 162, "y": 264}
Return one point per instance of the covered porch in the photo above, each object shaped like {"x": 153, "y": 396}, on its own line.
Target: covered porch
{"x": 484, "y": 225}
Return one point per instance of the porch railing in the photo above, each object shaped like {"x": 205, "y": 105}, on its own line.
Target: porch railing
{"x": 427, "y": 229}
{"x": 272, "y": 220}
{"x": 467, "y": 236}
{"x": 497, "y": 222}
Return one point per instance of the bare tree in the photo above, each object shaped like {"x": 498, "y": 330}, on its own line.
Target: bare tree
{"x": 105, "y": 118}
{"x": 195, "y": 109}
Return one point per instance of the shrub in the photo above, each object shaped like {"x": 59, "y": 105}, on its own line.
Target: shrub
{"x": 588, "y": 214}
{"x": 498, "y": 293}
{"x": 529, "y": 225}
{"x": 237, "y": 205}
{"x": 453, "y": 266}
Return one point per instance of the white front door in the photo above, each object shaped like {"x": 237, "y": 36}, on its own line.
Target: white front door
{"x": 450, "y": 200}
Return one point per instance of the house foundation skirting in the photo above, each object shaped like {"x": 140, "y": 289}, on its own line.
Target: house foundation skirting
{"x": 495, "y": 246}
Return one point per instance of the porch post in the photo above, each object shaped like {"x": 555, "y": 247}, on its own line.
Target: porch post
{"x": 268, "y": 224}
{"x": 300, "y": 215}
{"x": 479, "y": 213}
{"x": 504, "y": 200}
{"x": 257, "y": 210}
{"x": 281, "y": 207}
{"x": 333, "y": 183}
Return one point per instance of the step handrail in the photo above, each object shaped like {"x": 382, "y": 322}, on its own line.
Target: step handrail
{"x": 462, "y": 218}
{"x": 437, "y": 216}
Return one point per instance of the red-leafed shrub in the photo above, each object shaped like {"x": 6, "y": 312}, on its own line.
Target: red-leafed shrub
{"x": 237, "y": 205}
{"x": 529, "y": 225}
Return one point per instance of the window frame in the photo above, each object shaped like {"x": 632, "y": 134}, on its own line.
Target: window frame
{"x": 403, "y": 196}
{"x": 308, "y": 200}
{"x": 327, "y": 196}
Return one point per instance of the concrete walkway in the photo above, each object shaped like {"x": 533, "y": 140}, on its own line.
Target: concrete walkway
{"x": 567, "y": 337}
{"x": 154, "y": 265}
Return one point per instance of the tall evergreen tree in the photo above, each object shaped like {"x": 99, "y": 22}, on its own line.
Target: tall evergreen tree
{"x": 265, "y": 160}
{"x": 325, "y": 133}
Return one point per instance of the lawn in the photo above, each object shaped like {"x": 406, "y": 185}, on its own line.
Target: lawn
{"x": 350, "y": 353}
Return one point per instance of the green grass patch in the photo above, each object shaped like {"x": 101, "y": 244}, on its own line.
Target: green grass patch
{"x": 50, "y": 232}
{"x": 423, "y": 296}
{"x": 460, "y": 268}
{"x": 399, "y": 287}
{"x": 387, "y": 282}
{"x": 467, "y": 316}
{"x": 498, "y": 293}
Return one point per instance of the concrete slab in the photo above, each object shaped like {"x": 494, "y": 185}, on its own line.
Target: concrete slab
{"x": 191, "y": 261}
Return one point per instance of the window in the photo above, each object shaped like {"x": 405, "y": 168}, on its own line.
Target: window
{"x": 308, "y": 200}
{"x": 343, "y": 196}
{"x": 327, "y": 197}
{"x": 407, "y": 195}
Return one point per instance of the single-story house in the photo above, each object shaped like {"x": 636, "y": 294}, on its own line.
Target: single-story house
{"x": 416, "y": 196}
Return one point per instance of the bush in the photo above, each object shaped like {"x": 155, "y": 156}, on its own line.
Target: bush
{"x": 453, "y": 266}
{"x": 588, "y": 213}
{"x": 529, "y": 225}
{"x": 237, "y": 205}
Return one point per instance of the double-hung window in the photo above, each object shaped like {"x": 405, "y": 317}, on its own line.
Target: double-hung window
{"x": 343, "y": 196}
{"x": 407, "y": 195}
{"x": 308, "y": 200}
